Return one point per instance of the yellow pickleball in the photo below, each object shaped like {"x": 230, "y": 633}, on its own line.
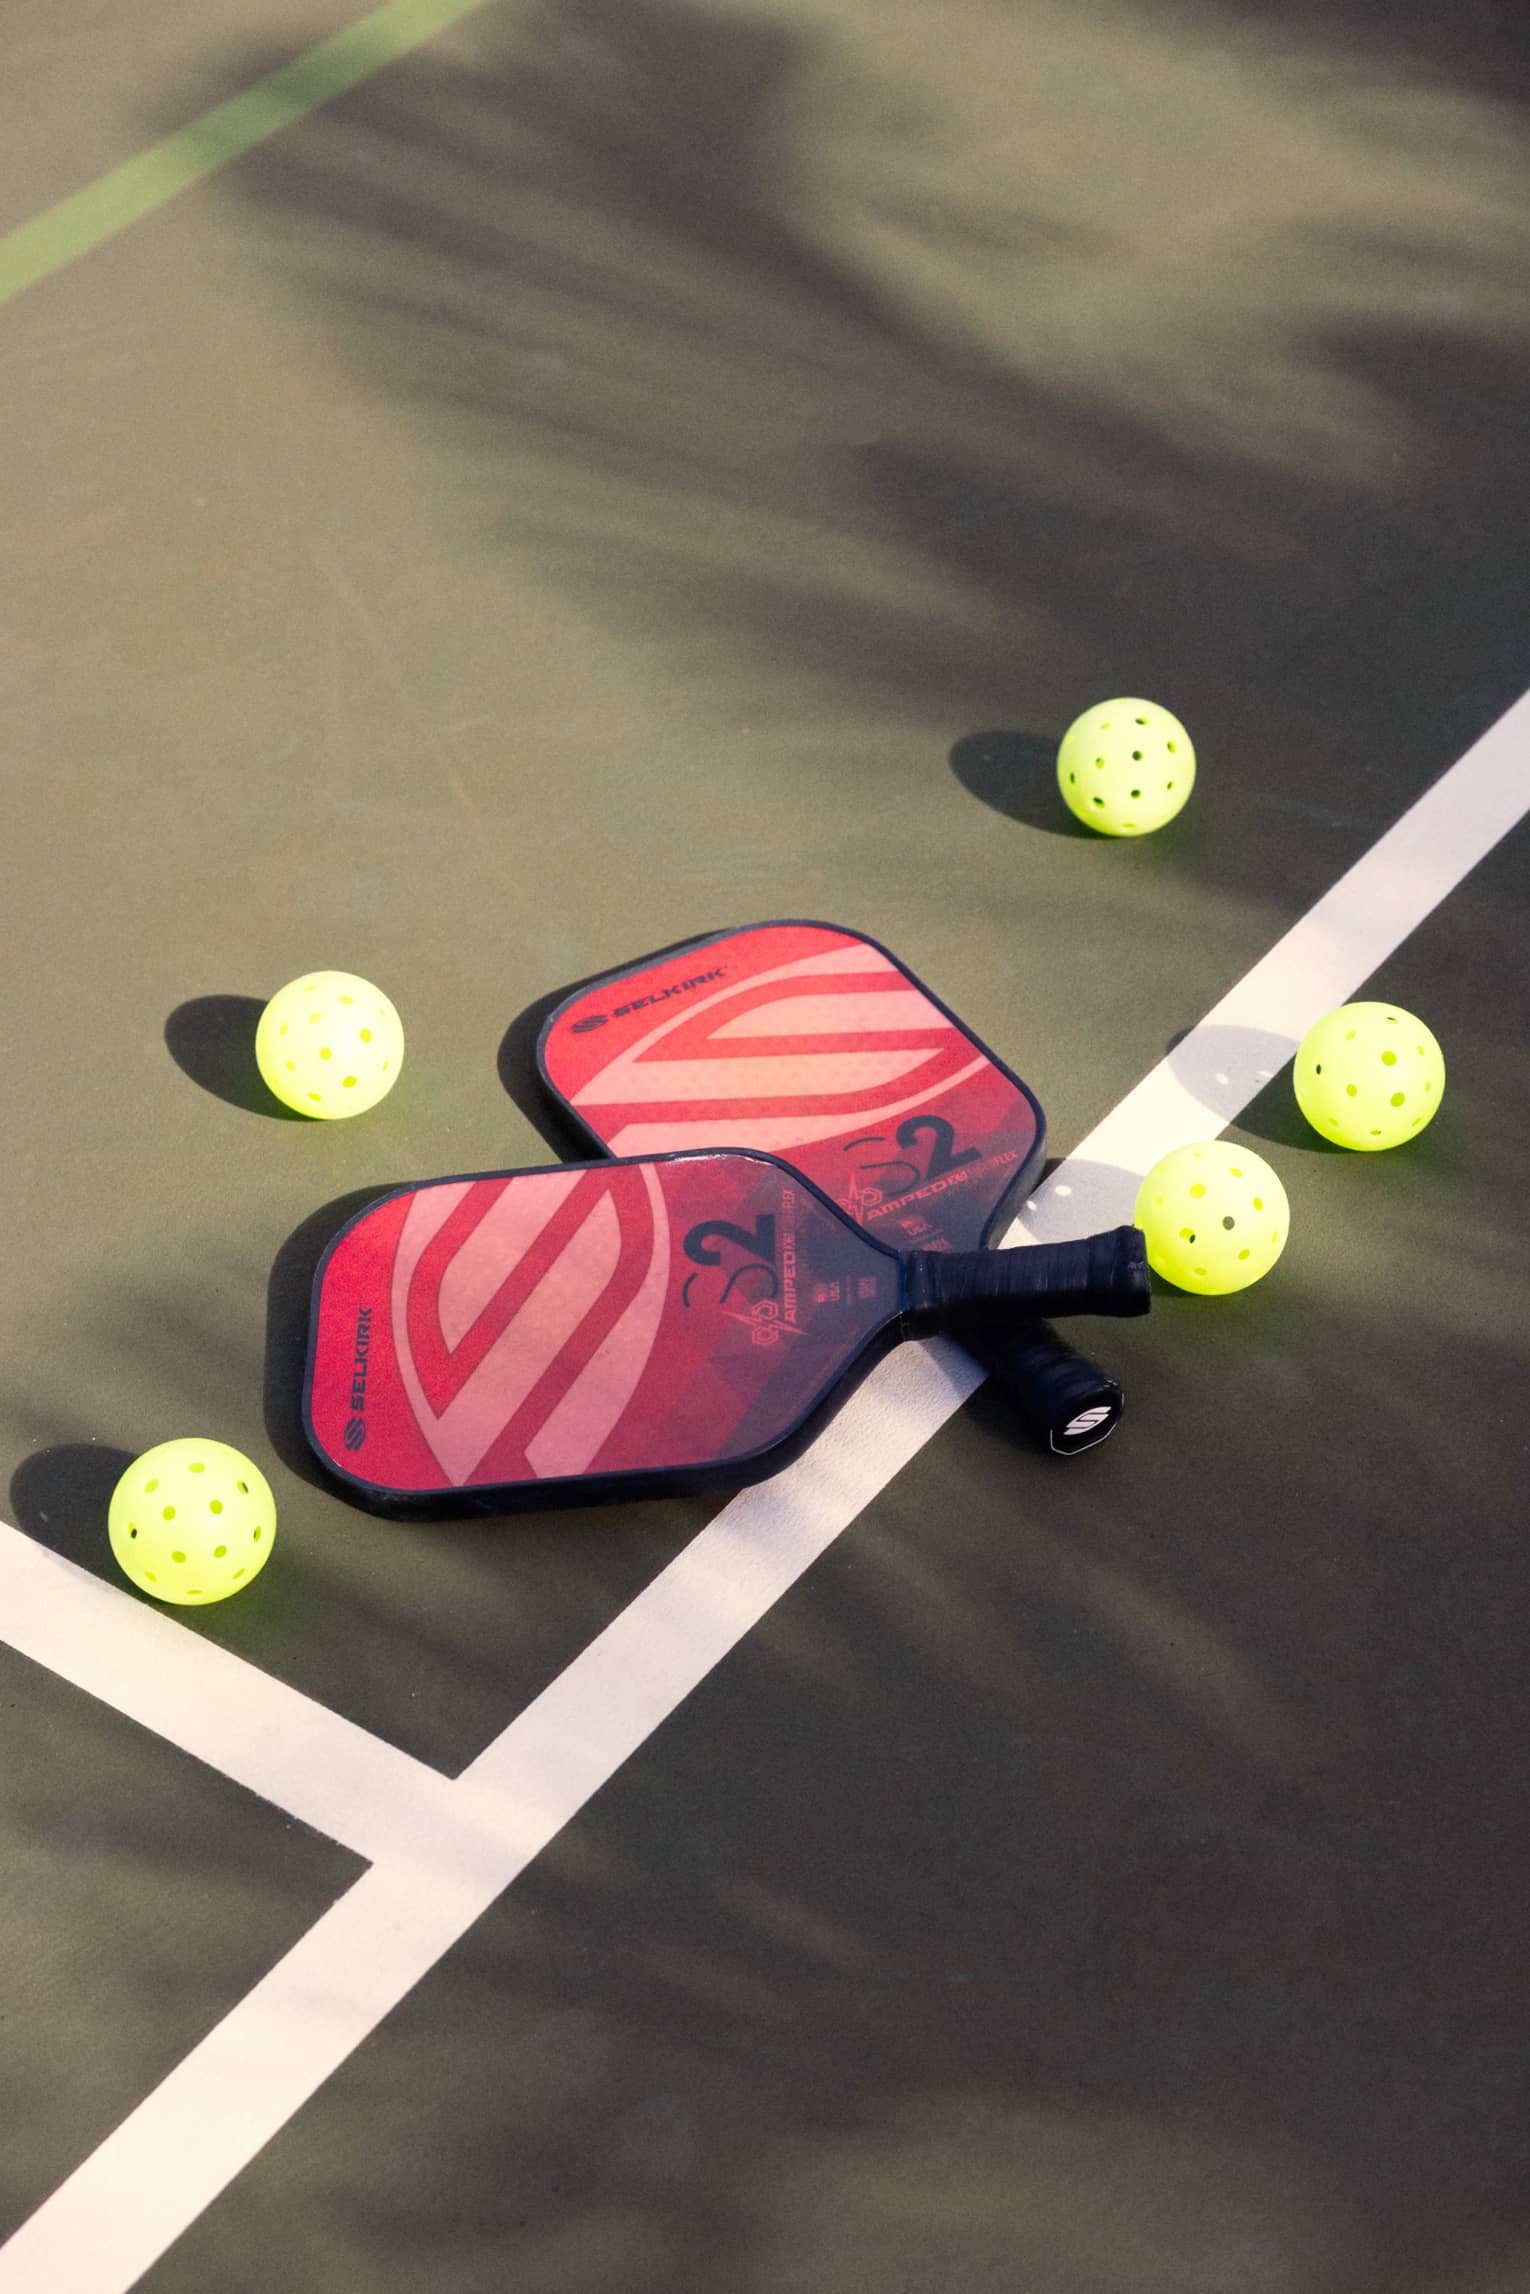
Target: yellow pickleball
{"x": 1125, "y": 767}
{"x": 1369, "y": 1076}
{"x": 330, "y": 1044}
{"x": 192, "y": 1522}
{"x": 1215, "y": 1217}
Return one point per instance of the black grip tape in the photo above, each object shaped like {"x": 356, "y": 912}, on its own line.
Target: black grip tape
{"x": 1097, "y": 1274}
{"x": 1068, "y": 1402}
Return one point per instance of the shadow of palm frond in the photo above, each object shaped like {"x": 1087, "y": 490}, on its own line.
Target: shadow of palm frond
{"x": 1098, "y": 328}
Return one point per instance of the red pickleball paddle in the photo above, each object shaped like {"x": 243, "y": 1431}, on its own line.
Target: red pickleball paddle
{"x": 816, "y": 1044}
{"x": 632, "y": 1328}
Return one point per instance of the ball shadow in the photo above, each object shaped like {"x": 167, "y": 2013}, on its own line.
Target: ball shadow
{"x": 1242, "y": 1076}
{"x": 60, "y": 1497}
{"x": 1016, "y": 774}
{"x": 212, "y": 1040}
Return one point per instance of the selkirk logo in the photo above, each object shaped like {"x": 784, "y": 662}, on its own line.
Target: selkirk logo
{"x": 594, "y": 1020}
{"x": 355, "y": 1428}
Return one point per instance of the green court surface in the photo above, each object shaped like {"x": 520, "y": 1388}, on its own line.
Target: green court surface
{"x": 490, "y": 490}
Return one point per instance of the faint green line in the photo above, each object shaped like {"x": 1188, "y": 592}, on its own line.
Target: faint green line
{"x": 63, "y": 233}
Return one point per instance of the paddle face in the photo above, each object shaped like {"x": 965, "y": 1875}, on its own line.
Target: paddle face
{"x": 621, "y": 1328}
{"x": 813, "y": 1043}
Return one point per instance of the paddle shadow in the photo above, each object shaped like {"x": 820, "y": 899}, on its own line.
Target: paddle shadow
{"x": 516, "y": 1059}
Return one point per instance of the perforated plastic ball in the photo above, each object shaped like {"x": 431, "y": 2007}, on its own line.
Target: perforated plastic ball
{"x": 192, "y": 1522}
{"x": 1369, "y": 1076}
{"x": 1125, "y": 767}
{"x": 329, "y": 1044}
{"x": 1215, "y": 1217}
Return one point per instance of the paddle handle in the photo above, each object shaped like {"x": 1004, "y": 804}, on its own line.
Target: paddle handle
{"x": 1068, "y": 1402}
{"x": 1097, "y": 1274}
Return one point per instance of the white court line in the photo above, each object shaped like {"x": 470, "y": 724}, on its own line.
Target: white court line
{"x": 104, "y": 2227}
{"x": 310, "y": 1761}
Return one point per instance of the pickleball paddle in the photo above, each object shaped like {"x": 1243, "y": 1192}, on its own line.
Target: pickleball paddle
{"x": 632, "y": 1328}
{"x": 816, "y": 1044}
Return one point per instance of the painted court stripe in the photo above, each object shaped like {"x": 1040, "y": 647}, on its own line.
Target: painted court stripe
{"x": 221, "y": 2105}
{"x": 319, "y": 1767}
{"x": 89, "y": 217}
{"x": 104, "y": 2227}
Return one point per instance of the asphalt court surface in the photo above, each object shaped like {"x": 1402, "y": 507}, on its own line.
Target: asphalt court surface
{"x": 624, "y": 471}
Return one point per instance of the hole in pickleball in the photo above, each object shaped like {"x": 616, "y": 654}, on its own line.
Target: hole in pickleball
{"x": 1229, "y": 1224}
